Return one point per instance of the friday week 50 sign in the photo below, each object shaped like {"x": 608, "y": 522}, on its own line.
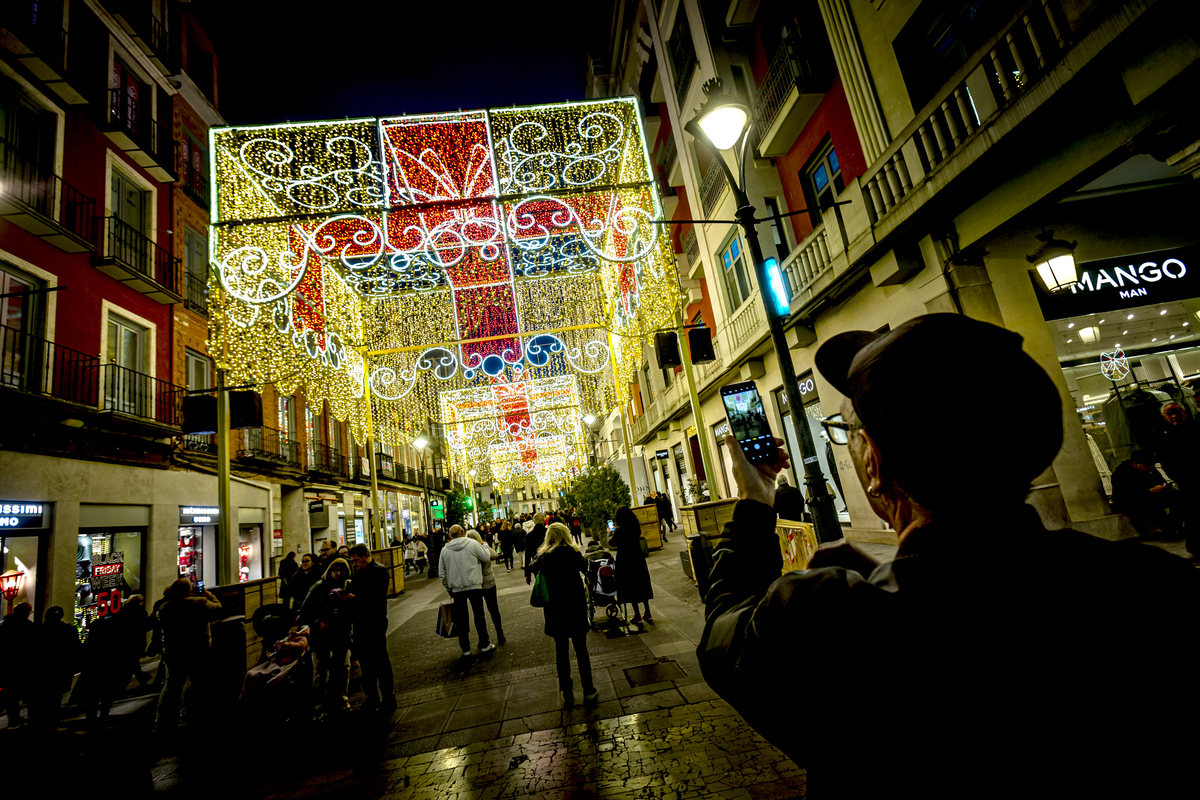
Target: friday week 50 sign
{"x": 1133, "y": 280}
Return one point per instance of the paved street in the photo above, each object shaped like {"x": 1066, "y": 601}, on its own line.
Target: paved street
{"x": 493, "y": 725}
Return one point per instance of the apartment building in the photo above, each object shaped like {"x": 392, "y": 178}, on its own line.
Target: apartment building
{"x": 927, "y": 146}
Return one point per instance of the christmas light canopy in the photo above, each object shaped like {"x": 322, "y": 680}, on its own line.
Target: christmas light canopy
{"x": 493, "y": 270}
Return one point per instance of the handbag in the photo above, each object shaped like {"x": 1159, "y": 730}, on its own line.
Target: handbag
{"x": 445, "y": 621}
{"x": 644, "y": 545}
{"x": 540, "y": 596}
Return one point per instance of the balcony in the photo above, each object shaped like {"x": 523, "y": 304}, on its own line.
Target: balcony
{"x": 35, "y": 366}
{"x": 386, "y": 465}
{"x": 44, "y": 204}
{"x": 146, "y": 30}
{"x": 691, "y": 246}
{"x": 200, "y": 443}
{"x": 195, "y": 186}
{"x": 683, "y": 54}
{"x": 128, "y": 123}
{"x": 36, "y": 36}
{"x": 1003, "y": 79}
{"x": 267, "y": 446}
{"x": 129, "y": 256}
{"x": 326, "y": 460}
{"x": 787, "y": 98}
{"x": 130, "y": 393}
{"x": 712, "y": 186}
{"x": 195, "y": 296}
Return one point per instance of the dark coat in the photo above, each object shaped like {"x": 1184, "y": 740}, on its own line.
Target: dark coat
{"x": 532, "y": 542}
{"x": 789, "y": 503}
{"x": 565, "y": 570}
{"x": 633, "y": 577}
{"x": 982, "y": 658}
{"x": 299, "y": 584}
{"x": 370, "y": 587}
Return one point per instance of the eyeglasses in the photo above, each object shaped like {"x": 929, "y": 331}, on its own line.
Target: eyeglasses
{"x": 326, "y": 549}
{"x": 838, "y": 430}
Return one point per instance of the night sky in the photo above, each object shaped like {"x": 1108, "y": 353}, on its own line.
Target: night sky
{"x": 282, "y": 61}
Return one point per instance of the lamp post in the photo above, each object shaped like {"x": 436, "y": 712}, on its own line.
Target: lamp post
{"x": 10, "y": 584}
{"x": 1055, "y": 262}
{"x": 721, "y": 124}
{"x": 471, "y": 504}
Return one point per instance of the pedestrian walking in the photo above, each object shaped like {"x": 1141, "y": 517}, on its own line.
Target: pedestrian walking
{"x": 327, "y": 552}
{"x": 462, "y": 575}
{"x": 566, "y": 614}
{"x": 1179, "y": 445}
{"x": 287, "y": 568}
{"x": 633, "y": 577}
{"x": 577, "y": 531}
{"x": 155, "y": 648}
{"x": 410, "y": 556}
{"x": 368, "y": 595}
{"x": 666, "y": 513}
{"x": 489, "y": 589}
{"x": 326, "y": 611}
{"x": 533, "y": 541}
{"x": 789, "y": 501}
{"x": 518, "y": 540}
{"x": 422, "y": 556}
{"x": 187, "y": 639}
{"x": 58, "y": 645}
{"x": 302, "y": 580}
{"x": 506, "y": 544}
{"x": 17, "y": 636}
{"x": 134, "y": 622}
{"x": 978, "y": 598}
{"x": 106, "y": 670}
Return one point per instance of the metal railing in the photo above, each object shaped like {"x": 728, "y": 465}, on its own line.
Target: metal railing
{"x": 200, "y": 442}
{"x": 196, "y": 292}
{"x": 811, "y": 260}
{"x": 683, "y": 54}
{"x": 691, "y": 246}
{"x": 789, "y": 70}
{"x": 747, "y": 322}
{"x": 325, "y": 459}
{"x": 667, "y": 153}
{"x": 135, "y": 394}
{"x": 24, "y": 178}
{"x": 129, "y": 115}
{"x": 195, "y": 185}
{"x": 1019, "y": 54}
{"x": 31, "y": 24}
{"x": 386, "y": 465}
{"x": 268, "y": 444}
{"x": 160, "y": 42}
{"x": 37, "y": 366}
{"x": 130, "y": 247}
{"x": 711, "y": 187}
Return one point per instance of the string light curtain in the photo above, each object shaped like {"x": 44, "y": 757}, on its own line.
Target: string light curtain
{"x": 467, "y": 268}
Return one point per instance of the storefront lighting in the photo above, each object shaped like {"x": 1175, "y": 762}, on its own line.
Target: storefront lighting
{"x": 10, "y": 585}
{"x": 1089, "y": 334}
{"x": 1101, "y": 322}
{"x": 1185, "y": 324}
{"x": 1055, "y": 262}
{"x": 1172, "y": 336}
{"x": 1070, "y": 324}
{"x": 1164, "y": 311}
{"x": 1155, "y": 339}
{"x": 1070, "y": 340}
{"x": 1130, "y": 316}
{"x": 1124, "y": 333}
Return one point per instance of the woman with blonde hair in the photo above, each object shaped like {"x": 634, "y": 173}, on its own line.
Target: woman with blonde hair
{"x": 489, "y": 588}
{"x": 564, "y": 568}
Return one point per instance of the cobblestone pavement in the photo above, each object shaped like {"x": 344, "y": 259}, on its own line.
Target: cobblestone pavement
{"x": 494, "y": 726}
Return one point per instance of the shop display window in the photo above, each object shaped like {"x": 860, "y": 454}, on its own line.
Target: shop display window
{"x": 108, "y": 569}
{"x": 20, "y": 553}
{"x": 191, "y": 554}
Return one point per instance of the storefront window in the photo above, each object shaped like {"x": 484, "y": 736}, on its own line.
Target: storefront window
{"x": 249, "y": 553}
{"x": 719, "y": 431}
{"x": 108, "y": 570}
{"x": 826, "y": 453}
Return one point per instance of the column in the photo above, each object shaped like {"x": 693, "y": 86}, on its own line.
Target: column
{"x": 860, "y": 91}
{"x": 297, "y": 537}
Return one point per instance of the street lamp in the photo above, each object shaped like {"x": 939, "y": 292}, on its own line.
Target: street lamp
{"x": 10, "y": 585}
{"x": 421, "y": 443}
{"x": 471, "y": 504}
{"x": 1055, "y": 262}
{"x": 720, "y": 124}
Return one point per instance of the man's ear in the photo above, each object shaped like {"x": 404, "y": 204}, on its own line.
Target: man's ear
{"x": 872, "y": 461}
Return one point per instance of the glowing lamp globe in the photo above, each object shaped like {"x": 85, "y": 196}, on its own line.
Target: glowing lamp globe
{"x": 723, "y": 125}
{"x": 589, "y": 419}
{"x": 420, "y": 442}
{"x": 10, "y": 585}
{"x": 1055, "y": 262}
{"x": 473, "y": 473}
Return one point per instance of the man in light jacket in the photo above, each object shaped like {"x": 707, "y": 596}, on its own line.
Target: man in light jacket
{"x": 461, "y": 569}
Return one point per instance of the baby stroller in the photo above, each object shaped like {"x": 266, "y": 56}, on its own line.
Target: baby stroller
{"x": 602, "y": 586}
{"x": 280, "y": 686}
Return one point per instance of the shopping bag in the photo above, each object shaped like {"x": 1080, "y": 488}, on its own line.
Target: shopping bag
{"x": 445, "y": 621}
{"x": 540, "y": 596}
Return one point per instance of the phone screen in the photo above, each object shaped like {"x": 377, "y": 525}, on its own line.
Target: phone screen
{"x": 748, "y": 421}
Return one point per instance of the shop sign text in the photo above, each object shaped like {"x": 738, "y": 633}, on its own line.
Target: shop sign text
{"x": 18, "y": 514}
{"x": 1132, "y": 280}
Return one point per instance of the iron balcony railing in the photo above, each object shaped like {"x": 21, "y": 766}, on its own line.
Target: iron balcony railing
{"x": 711, "y": 187}
{"x": 34, "y": 365}
{"x": 691, "y": 246}
{"x": 127, "y": 114}
{"x": 326, "y": 460}
{"x": 268, "y": 444}
{"x": 32, "y": 25}
{"x": 386, "y": 465}
{"x": 195, "y": 185}
{"x": 667, "y": 153}
{"x": 134, "y": 250}
{"x": 200, "y": 442}
{"x": 135, "y": 394}
{"x": 24, "y": 178}
{"x": 196, "y": 291}
{"x": 789, "y": 69}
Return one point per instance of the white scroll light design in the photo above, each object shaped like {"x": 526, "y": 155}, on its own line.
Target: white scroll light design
{"x": 536, "y": 170}
{"x": 359, "y": 183}
{"x": 528, "y": 234}
{"x": 1114, "y": 365}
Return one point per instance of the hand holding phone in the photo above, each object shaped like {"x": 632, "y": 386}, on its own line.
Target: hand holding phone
{"x": 748, "y": 422}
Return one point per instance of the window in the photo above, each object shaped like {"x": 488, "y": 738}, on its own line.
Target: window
{"x": 127, "y": 387}
{"x": 822, "y": 181}
{"x": 195, "y": 166}
{"x": 125, "y": 100}
{"x": 777, "y": 230}
{"x": 16, "y": 311}
{"x": 312, "y": 432}
{"x": 285, "y": 414}
{"x": 737, "y": 277}
{"x": 199, "y": 370}
{"x": 683, "y": 53}
{"x": 27, "y": 138}
{"x": 195, "y": 261}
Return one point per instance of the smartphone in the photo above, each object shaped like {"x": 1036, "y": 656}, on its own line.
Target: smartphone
{"x": 748, "y": 422}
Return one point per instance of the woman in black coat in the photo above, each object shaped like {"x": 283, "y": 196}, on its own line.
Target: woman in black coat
{"x": 633, "y": 578}
{"x": 566, "y": 614}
